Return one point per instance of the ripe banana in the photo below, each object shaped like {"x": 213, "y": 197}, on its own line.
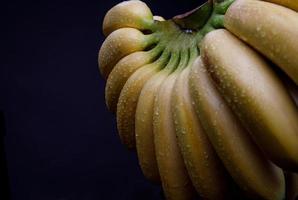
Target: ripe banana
{"x": 127, "y": 103}
{"x": 175, "y": 180}
{"x": 293, "y": 4}
{"x": 250, "y": 169}
{"x": 255, "y": 94}
{"x": 134, "y": 14}
{"x": 120, "y": 43}
{"x": 144, "y": 121}
{"x": 215, "y": 127}
{"x": 270, "y": 28}
{"x": 123, "y": 70}
{"x": 203, "y": 165}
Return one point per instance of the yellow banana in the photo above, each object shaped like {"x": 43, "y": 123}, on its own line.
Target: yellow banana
{"x": 122, "y": 71}
{"x": 119, "y": 44}
{"x": 127, "y": 103}
{"x": 270, "y": 28}
{"x": 250, "y": 169}
{"x": 175, "y": 180}
{"x": 206, "y": 171}
{"x": 255, "y": 94}
{"x": 134, "y": 14}
{"x": 293, "y": 4}
{"x": 144, "y": 122}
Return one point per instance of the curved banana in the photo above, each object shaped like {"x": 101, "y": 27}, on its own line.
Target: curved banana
{"x": 270, "y": 28}
{"x": 293, "y": 4}
{"x": 206, "y": 171}
{"x": 120, "y": 43}
{"x": 292, "y": 186}
{"x": 134, "y": 14}
{"x": 127, "y": 103}
{"x": 122, "y": 71}
{"x": 175, "y": 180}
{"x": 248, "y": 83}
{"x": 144, "y": 122}
{"x": 250, "y": 169}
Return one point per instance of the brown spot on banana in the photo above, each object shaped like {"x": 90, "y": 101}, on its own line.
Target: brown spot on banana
{"x": 250, "y": 169}
{"x": 270, "y": 28}
{"x": 255, "y": 94}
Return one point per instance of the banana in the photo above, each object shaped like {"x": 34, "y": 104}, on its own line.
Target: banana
{"x": 175, "y": 180}
{"x": 293, "y": 4}
{"x": 144, "y": 122}
{"x": 120, "y": 43}
{"x": 255, "y": 94}
{"x": 128, "y": 99}
{"x": 270, "y": 28}
{"x": 122, "y": 71}
{"x": 292, "y": 186}
{"x": 247, "y": 165}
{"x": 134, "y": 14}
{"x": 206, "y": 171}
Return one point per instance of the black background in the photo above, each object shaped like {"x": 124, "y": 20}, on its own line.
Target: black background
{"x": 61, "y": 142}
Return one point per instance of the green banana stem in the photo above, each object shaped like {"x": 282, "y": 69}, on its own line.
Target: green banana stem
{"x": 188, "y": 30}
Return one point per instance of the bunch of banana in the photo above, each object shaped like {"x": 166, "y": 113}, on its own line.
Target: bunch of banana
{"x": 209, "y": 99}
